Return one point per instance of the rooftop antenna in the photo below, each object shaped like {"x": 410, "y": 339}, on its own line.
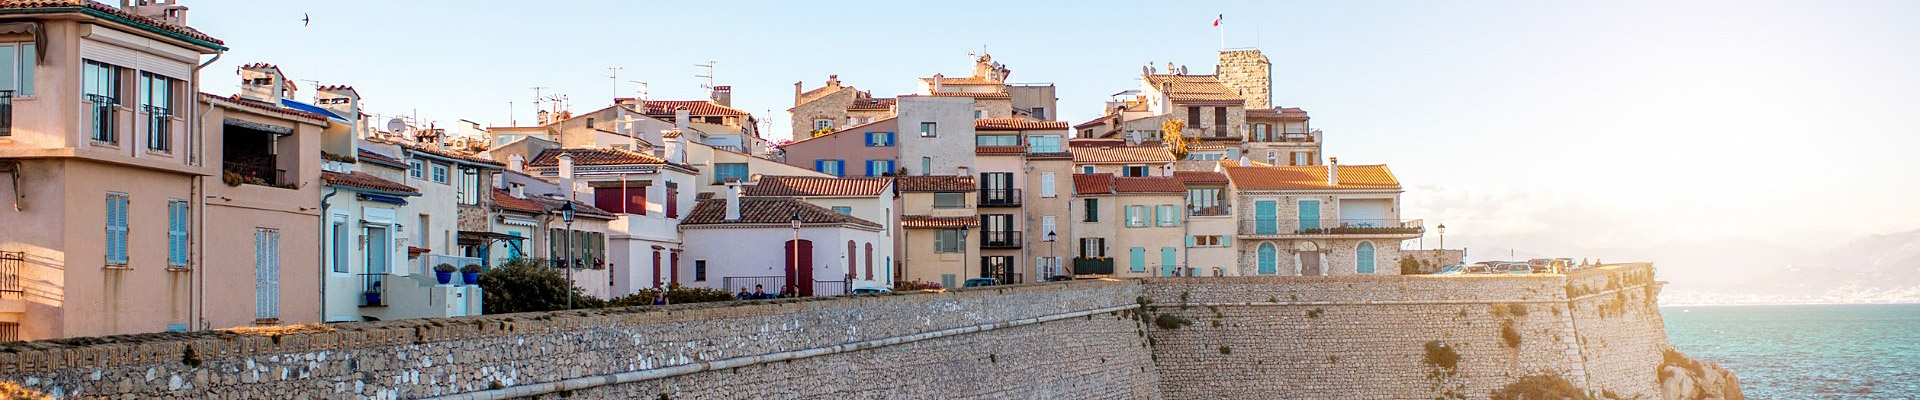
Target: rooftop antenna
{"x": 510, "y": 120}
{"x": 537, "y": 98}
{"x": 642, "y": 90}
{"x": 614, "y": 74}
{"x": 709, "y": 76}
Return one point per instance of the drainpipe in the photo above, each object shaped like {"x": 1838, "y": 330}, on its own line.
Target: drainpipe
{"x": 196, "y": 307}
{"x": 324, "y": 268}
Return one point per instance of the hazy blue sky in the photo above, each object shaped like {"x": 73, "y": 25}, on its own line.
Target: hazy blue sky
{"x": 1549, "y": 127}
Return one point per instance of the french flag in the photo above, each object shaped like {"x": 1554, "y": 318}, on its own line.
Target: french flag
{"x": 1216, "y": 20}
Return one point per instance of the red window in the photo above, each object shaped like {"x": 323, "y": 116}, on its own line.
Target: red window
{"x": 628, "y": 200}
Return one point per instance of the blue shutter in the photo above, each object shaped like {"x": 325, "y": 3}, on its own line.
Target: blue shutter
{"x": 820, "y": 165}
{"x": 1129, "y": 216}
{"x": 1169, "y": 260}
{"x": 1268, "y": 257}
{"x": 1265, "y": 214}
{"x": 889, "y": 138}
{"x": 1190, "y": 239}
{"x": 1363, "y": 256}
{"x": 1226, "y": 240}
{"x": 117, "y": 229}
{"x": 869, "y": 136}
{"x": 1137, "y": 259}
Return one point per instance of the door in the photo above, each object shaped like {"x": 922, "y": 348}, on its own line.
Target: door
{"x": 1168, "y": 261}
{"x": 1266, "y": 217}
{"x": 999, "y": 187}
{"x": 799, "y": 268}
{"x": 1309, "y": 216}
{"x": 1310, "y": 263}
{"x": 1269, "y": 257}
{"x": 1363, "y": 258}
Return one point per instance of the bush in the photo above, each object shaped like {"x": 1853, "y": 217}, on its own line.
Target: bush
{"x": 1540, "y": 386}
{"x": 443, "y": 267}
{"x": 676, "y": 294}
{"x": 1409, "y": 266}
{"x": 914, "y": 285}
{"x": 1170, "y": 321}
{"x": 470, "y": 268}
{"x": 1441, "y": 356}
{"x": 526, "y": 285}
{"x": 1510, "y": 335}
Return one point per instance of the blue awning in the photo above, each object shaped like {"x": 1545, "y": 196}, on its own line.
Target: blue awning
{"x": 312, "y": 109}
{"x": 383, "y": 198}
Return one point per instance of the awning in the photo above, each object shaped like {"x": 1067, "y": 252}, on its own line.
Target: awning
{"x": 383, "y": 198}
{"x": 481, "y": 238}
{"x": 520, "y": 221}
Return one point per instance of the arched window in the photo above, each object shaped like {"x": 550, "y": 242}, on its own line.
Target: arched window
{"x": 869, "y": 261}
{"x": 1269, "y": 257}
{"x": 1363, "y": 258}
{"x": 853, "y": 260}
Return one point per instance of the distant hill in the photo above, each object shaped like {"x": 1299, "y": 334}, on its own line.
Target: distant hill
{"x": 1876, "y": 268}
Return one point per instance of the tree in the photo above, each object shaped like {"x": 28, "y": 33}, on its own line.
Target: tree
{"x": 1409, "y": 266}
{"x": 1173, "y": 133}
{"x": 529, "y": 284}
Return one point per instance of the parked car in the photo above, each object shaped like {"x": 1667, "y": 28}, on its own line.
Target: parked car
{"x": 1059, "y": 278}
{"x": 1485, "y": 267}
{"x": 1513, "y": 268}
{"x": 1455, "y": 269}
{"x": 871, "y": 290}
{"x": 978, "y": 282}
{"x": 1550, "y": 265}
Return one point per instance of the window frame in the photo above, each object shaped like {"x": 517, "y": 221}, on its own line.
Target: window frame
{"x": 1092, "y": 210}
{"x": 25, "y": 59}
{"x": 956, "y": 200}
{"x": 1043, "y": 144}
{"x": 159, "y": 106}
{"x": 441, "y": 172}
{"x": 949, "y": 241}
{"x": 417, "y": 168}
{"x": 720, "y": 175}
{"x": 929, "y": 129}
{"x": 699, "y": 270}
{"x": 117, "y": 230}
{"x": 1136, "y": 215}
{"x": 101, "y": 86}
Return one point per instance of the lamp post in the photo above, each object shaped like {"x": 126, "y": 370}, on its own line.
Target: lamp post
{"x": 1051, "y": 260}
{"x": 1443, "y": 235}
{"x": 793, "y": 276}
{"x": 566, "y": 215}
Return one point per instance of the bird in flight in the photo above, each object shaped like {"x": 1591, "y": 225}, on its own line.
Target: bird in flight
{"x": 306, "y": 19}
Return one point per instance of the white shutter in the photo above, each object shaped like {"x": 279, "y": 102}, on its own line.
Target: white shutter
{"x": 1046, "y": 225}
{"x": 273, "y": 274}
{"x": 260, "y": 273}
{"x": 1046, "y": 184}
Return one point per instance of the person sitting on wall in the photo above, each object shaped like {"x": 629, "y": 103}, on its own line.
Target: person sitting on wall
{"x": 760, "y": 292}
{"x": 660, "y": 299}
{"x": 744, "y": 295}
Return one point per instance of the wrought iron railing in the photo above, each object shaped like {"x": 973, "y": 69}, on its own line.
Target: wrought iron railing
{"x": 11, "y": 262}
{"x": 999, "y": 197}
{"x": 830, "y": 288}
{"x": 1092, "y": 266}
{"x": 6, "y": 113}
{"x": 373, "y": 289}
{"x": 101, "y": 112}
{"x": 255, "y": 174}
{"x": 1333, "y": 226}
{"x": 1209, "y": 211}
{"x": 771, "y": 285}
{"x": 159, "y": 127}
{"x": 1000, "y": 240}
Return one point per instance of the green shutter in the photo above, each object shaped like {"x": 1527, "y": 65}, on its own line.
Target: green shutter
{"x": 1190, "y": 240}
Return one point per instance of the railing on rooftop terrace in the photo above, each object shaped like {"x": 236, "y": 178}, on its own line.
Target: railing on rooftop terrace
{"x": 1209, "y": 211}
{"x": 373, "y": 289}
{"x": 1330, "y": 226}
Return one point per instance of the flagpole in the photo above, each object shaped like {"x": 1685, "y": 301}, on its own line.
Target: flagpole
{"x": 1220, "y": 24}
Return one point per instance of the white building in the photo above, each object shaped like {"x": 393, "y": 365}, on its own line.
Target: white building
{"x": 737, "y": 243}
{"x": 648, "y": 194}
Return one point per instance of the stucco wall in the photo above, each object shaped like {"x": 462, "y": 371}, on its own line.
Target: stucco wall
{"x": 951, "y": 148}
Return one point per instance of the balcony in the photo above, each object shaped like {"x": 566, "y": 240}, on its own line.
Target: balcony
{"x": 999, "y": 197}
{"x": 1209, "y": 211}
{"x": 1331, "y": 227}
{"x": 6, "y": 113}
{"x": 991, "y": 240}
{"x": 1092, "y": 266}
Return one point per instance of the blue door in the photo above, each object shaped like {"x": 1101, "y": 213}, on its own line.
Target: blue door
{"x": 1137, "y": 261}
{"x": 1167, "y": 261}
{"x": 1309, "y": 216}
{"x": 1266, "y": 218}
{"x": 1363, "y": 258}
{"x": 1269, "y": 257}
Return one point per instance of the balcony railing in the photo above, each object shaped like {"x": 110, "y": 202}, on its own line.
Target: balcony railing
{"x": 255, "y": 174}
{"x": 102, "y": 114}
{"x": 1333, "y": 226}
{"x": 1283, "y": 138}
{"x": 1092, "y": 266}
{"x": 10, "y": 264}
{"x": 999, "y": 197}
{"x": 6, "y": 113}
{"x": 1000, "y": 240}
{"x": 373, "y": 289}
{"x": 1209, "y": 211}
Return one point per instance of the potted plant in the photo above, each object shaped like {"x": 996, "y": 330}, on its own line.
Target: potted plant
{"x": 372, "y": 295}
{"x": 444, "y": 273}
{"x": 470, "y": 274}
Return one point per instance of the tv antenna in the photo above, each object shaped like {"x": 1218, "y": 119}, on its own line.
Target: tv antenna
{"x": 709, "y": 75}
{"x": 642, "y": 90}
{"x": 613, "y": 73}
{"x": 537, "y": 97}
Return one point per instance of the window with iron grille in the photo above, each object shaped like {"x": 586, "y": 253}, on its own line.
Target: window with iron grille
{"x": 156, "y": 100}
{"x": 102, "y": 92}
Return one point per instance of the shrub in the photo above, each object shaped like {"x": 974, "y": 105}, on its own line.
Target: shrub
{"x": 676, "y": 294}
{"x": 1409, "y": 266}
{"x": 1224, "y": 350}
{"x": 527, "y": 284}
{"x": 1441, "y": 356}
{"x": 470, "y": 268}
{"x": 1509, "y": 335}
{"x": 914, "y": 285}
{"x": 1170, "y": 321}
{"x": 1540, "y": 386}
{"x": 443, "y": 267}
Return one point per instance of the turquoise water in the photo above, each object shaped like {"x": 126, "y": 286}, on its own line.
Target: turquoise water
{"x": 1807, "y": 352}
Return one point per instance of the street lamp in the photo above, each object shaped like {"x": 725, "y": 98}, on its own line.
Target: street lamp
{"x": 793, "y": 276}
{"x": 1051, "y": 260}
{"x": 566, "y": 215}
{"x": 1443, "y": 235}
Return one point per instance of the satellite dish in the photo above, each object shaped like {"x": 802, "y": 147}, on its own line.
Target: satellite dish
{"x": 396, "y": 125}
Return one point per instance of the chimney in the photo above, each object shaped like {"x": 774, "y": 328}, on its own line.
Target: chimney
{"x": 937, "y": 84}
{"x": 675, "y": 151}
{"x": 518, "y": 191}
{"x": 681, "y": 118}
{"x": 160, "y": 10}
{"x": 961, "y": 171}
{"x": 1333, "y": 171}
{"x": 733, "y": 200}
{"x": 544, "y": 117}
{"x": 517, "y": 163}
{"x": 566, "y": 166}
{"x": 833, "y": 81}
{"x": 262, "y": 82}
{"x": 797, "y": 91}
{"x": 339, "y": 99}
{"x": 723, "y": 95}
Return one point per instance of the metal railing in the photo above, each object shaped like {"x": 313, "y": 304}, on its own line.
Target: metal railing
{"x": 770, "y": 284}
{"x": 830, "y": 288}
{"x": 1331, "y": 226}
{"x": 1209, "y": 211}
{"x": 257, "y": 174}
{"x": 373, "y": 289}
{"x": 1092, "y": 266}
{"x": 1000, "y": 240}
{"x": 159, "y": 127}
{"x": 11, "y": 262}
{"x": 6, "y": 113}
{"x": 999, "y": 197}
{"x": 101, "y": 112}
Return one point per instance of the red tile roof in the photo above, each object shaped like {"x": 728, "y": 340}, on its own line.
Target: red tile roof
{"x": 964, "y": 81}
{"x": 343, "y": 88}
{"x": 1093, "y": 183}
{"x": 923, "y": 221}
{"x": 505, "y": 200}
{"x": 1008, "y": 150}
{"x": 1195, "y": 88}
{"x": 1156, "y": 184}
{"x": 1311, "y": 177}
{"x": 960, "y": 94}
{"x": 53, "y": 6}
{"x": 1096, "y": 142}
{"x": 930, "y": 184}
{"x": 445, "y": 153}
{"x": 1015, "y": 124}
{"x": 1121, "y": 155}
{"x": 885, "y": 103}
{"x": 276, "y": 109}
{"x": 847, "y": 129}
{"x": 593, "y": 156}
{"x": 768, "y": 210}
{"x": 579, "y": 208}
{"x": 1293, "y": 113}
{"x": 694, "y": 107}
{"x": 798, "y": 186}
{"x": 1096, "y": 121}
{"x": 1200, "y": 177}
{"x": 369, "y": 155}
{"x": 362, "y": 180}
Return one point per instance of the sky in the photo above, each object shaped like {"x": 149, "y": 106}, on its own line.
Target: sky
{"x": 1528, "y": 128}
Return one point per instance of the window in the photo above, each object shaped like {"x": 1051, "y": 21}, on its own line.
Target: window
{"x": 1273, "y": 157}
{"x": 673, "y": 200}
{"x": 177, "y": 233}
{"x": 929, "y": 129}
{"x": 949, "y": 200}
{"x": 879, "y": 167}
{"x": 623, "y": 200}
{"x": 1046, "y": 227}
{"x": 1193, "y": 117}
{"x": 1205, "y": 201}
{"x": 338, "y": 236}
{"x": 869, "y": 261}
{"x": 1086, "y": 169}
{"x": 1136, "y": 216}
{"x": 1260, "y": 132}
{"x": 1135, "y": 171}
{"x": 1093, "y": 247}
{"x": 822, "y": 124}
{"x": 1268, "y": 259}
{"x": 724, "y": 171}
{"x": 1166, "y": 215}
{"x": 589, "y": 122}
{"x": 469, "y": 189}
{"x": 831, "y": 167}
{"x": 439, "y": 173}
{"x": 1040, "y": 113}
{"x": 996, "y": 140}
{"x": 417, "y": 169}
{"x": 926, "y": 166}
{"x": 1046, "y": 184}
{"x": 1137, "y": 259}
{"x": 979, "y": 113}
{"x": 1043, "y": 144}
{"x": 699, "y": 270}
{"x": 266, "y": 274}
{"x": 1205, "y": 241}
{"x": 1093, "y": 210}
{"x": 1302, "y": 158}
{"x": 1219, "y": 121}
{"x": 102, "y": 90}
{"x": 17, "y": 61}
{"x": 1363, "y": 258}
{"x": 156, "y": 99}
{"x": 843, "y": 210}
{"x": 879, "y": 139}
{"x": 116, "y": 229}
{"x": 949, "y": 241}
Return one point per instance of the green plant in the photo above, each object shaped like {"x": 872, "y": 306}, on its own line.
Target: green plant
{"x": 1316, "y": 313}
{"x": 189, "y": 358}
{"x": 527, "y": 284}
{"x": 1540, "y": 386}
{"x": 443, "y": 267}
{"x": 469, "y": 268}
{"x": 1224, "y": 350}
{"x": 1409, "y": 266}
{"x": 1509, "y": 335}
{"x": 908, "y": 286}
{"x": 1440, "y": 356}
{"x": 676, "y": 294}
{"x": 1170, "y": 321}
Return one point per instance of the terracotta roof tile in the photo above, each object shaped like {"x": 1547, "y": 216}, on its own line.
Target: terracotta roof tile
{"x": 842, "y": 130}
{"x": 593, "y": 156}
{"x": 1048, "y": 156}
{"x": 327, "y": 88}
{"x": 930, "y": 184}
{"x": 960, "y": 94}
{"x": 1012, "y": 150}
{"x": 1293, "y": 113}
{"x": 885, "y": 103}
{"x": 237, "y": 101}
{"x": 371, "y": 156}
{"x": 579, "y": 208}
{"x": 1121, "y": 155}
{"x": 694, "y": 107}
{"x": 923, "y": 221}
{"x": 1093, "y": 183}
{"x": 1015, "y": 124}
{"x": 964, "y": 81}
{"x": 1195, "y": 88}
{"x": 793, "y": 186}
{"x": 1200, "y": 177}
{"x": 362, "y": 180}
{"x": 1096, "y": 142}
{"x": 768, "y": 210}
{"x": 505, "y": 200}
{"x": 1311, "y": 177}
{"x": 420, "y": 148}
{"x": 93, "y": 6}
{"x": 1096, "y": 121}
{"x": 1156, "y": 184}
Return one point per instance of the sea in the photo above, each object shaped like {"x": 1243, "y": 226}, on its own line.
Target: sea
{"x": 1807, "y": 351}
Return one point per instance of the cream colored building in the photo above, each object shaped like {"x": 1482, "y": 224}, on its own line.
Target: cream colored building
{"x": 1137, "y": 223}
{"x": 939, "y": 221}
{"x": 1318, "y": 220}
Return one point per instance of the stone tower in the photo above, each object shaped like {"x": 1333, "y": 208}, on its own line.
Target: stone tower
{"x": 1249, "y": 73}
